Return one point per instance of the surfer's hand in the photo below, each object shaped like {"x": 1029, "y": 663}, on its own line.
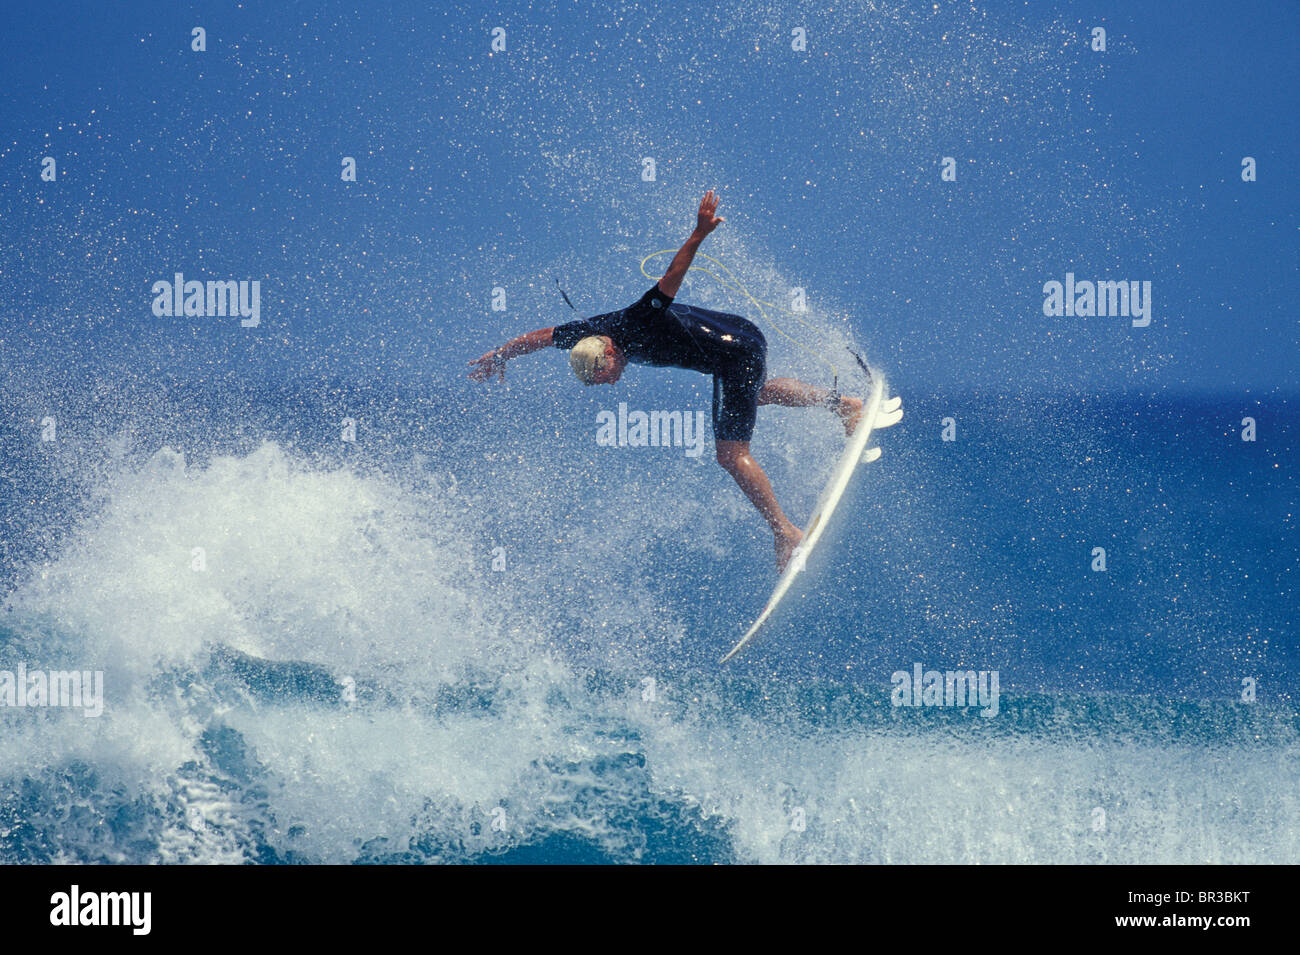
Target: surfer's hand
{"x": 706, "y": 221}
{"x": 488, "y": 365}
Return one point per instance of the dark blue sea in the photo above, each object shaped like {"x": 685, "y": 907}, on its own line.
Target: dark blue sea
{"x": 349, "y": 678}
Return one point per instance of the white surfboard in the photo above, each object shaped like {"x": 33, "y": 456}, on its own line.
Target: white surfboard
{"x": 879, "y": 414}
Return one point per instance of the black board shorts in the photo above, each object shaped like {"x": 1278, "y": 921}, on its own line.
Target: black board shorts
{"x": 739, "y": 372}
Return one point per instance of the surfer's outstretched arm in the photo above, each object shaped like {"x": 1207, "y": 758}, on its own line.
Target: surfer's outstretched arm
{"x": 705, "y": 223}
{"x": 494, "y": 362}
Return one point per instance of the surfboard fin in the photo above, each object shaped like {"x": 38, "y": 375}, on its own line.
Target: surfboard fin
{"x": 886, "y": 419}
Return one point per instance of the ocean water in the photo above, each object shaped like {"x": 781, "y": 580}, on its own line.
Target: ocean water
{"x": 349, "y": 607}
{"x": 350, "y": 680}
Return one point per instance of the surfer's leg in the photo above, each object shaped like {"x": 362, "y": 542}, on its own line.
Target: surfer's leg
{"x": 735, "y": 410}
{"x": 736, "y": 460}
{"x": 792, "y": 393}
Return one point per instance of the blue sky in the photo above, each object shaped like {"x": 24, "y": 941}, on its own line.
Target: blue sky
{"x": 510, "y": 169}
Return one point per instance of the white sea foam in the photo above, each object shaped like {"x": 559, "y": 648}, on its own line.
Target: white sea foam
{"x": 469, "y": 712}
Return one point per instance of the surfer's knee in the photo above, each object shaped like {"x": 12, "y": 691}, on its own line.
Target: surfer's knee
{"x": 730, "y": 454}
{"x": 773, "y": 390}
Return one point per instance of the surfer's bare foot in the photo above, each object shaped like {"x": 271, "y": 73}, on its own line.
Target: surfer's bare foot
{"x": 786, "y": 542}
{"x": 850, "y": 411}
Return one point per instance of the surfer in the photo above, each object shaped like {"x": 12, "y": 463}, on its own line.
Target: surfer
{"x": 657, "y": 331}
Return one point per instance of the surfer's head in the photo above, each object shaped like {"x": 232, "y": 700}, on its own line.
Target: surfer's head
{"x": 596, "y": 360}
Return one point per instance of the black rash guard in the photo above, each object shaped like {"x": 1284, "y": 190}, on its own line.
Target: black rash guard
{"x": 654, "y": 331}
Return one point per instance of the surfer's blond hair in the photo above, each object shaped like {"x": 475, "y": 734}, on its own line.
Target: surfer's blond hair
{"x": 587, "y": 357}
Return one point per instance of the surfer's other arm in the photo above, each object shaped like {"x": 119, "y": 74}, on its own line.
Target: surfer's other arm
{"x": 494, "y": 362}
{"x": 705, "y": 223}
